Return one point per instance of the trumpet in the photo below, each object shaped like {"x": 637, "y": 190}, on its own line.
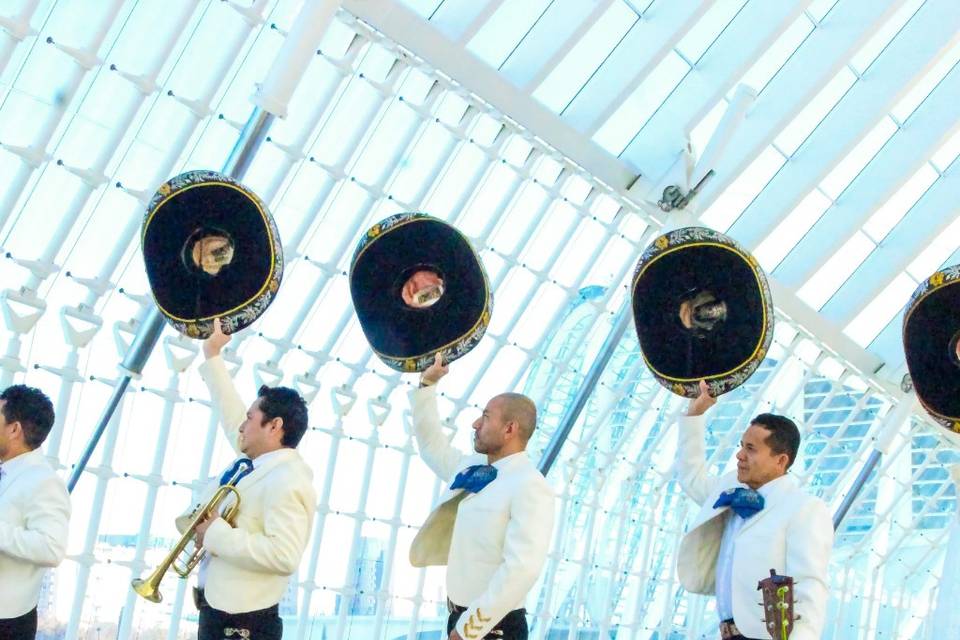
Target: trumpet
{"x": 149, "y": 587}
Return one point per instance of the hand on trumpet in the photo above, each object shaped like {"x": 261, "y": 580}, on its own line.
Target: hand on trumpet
{"x": 213, "y": 345}
{"x": 203, "y": 525}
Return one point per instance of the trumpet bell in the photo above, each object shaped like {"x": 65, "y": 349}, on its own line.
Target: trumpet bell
{"x": 149, "y": 588}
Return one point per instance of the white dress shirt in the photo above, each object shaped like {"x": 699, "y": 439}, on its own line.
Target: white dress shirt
{"x": 34, "y": 523}
{"x": 499, "y": 539}
{"x": 727, "y": 548}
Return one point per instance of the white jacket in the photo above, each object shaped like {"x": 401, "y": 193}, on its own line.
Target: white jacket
{"x": 34, "y": 523}
{"x": 793, "y": 534}
{"x": 499, "y": 540}
{"x": 250, "y": 565}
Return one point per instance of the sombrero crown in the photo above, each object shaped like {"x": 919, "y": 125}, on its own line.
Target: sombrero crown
{"x": 211, "y": 250}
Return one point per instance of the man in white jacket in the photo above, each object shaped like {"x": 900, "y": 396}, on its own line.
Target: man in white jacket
{"x": 751, "y": 521}
{"x": 493, "y": 525}
{"x": 34, "y": 509}
{"x": 248, "y": 564}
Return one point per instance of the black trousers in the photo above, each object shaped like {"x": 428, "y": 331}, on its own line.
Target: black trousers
{"x": 264, "y": 624}
{"x": 513, "y": 626}
{"x": 20, "y": 628}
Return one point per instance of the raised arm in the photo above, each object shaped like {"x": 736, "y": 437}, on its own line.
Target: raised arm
{"x": 691, "y": 461}
{"x": 443, "y": 458}
{"x": 223, "y": 393}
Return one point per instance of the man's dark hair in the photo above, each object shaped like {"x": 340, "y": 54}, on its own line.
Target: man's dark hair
{"x": 32, "y": 409}
{"x": 784, "y": 435}
{"x": 285, "y": 403}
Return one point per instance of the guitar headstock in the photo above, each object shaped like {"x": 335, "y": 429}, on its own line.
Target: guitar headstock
{"x": 778, "y": 605}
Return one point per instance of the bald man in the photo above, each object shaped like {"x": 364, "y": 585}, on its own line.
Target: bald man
{"x": 493, "y": 525}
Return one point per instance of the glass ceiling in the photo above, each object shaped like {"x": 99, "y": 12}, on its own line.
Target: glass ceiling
{"x": 524, "y": 123}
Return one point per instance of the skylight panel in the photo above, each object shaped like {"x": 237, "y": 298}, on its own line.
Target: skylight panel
{"x": 548, "y": 303}
{"x": 784, "y": 238}
{"x": 947, "y": 153}
{"x": 734, "y": 200}
{"x": 881, "y": 310}
{"x": 547, "y": 171}
{"x": 585, "y": 57}
{"x": 574, "y": 261}
{"x": 705, "y": 32}
{"x": 423, "y": 7}
{"x": 909, "y": 103}
{"x": 893, "y": 210}
{"x": 819, "y": 8}
{"x": 617, "y": 132}
{"x": 940, "y": 249}
{"x": 505, "y": 29}
{"x": 835, "y": 271}
{"x": 869, "y": 52}
{"x": 793, "y": 135}
{"x": 854, "y": 162}
{"x": 777, "y": 55}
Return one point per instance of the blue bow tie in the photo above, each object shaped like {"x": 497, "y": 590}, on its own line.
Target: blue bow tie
{"x": 240, "y": 468}
{"x": 474, "y": 479}
{"x": 744, "y": 502}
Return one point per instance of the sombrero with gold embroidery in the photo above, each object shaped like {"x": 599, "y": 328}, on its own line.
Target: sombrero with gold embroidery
{"x": 931, "y": 333}
{"x": 419, "y": 289}
{"x": 702, "y": 310}
{"x": 211, "y": 250}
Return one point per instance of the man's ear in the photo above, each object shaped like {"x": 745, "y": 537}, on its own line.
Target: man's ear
{"x": 785, "y": 459}
{"x": 277, "y": 423}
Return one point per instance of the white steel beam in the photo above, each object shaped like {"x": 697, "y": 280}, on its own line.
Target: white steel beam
{"x": 664, "y": 137}
{"x": 408, "y": 29}
{"x": 934, "y": 28}
{"x": 844, "y": 30}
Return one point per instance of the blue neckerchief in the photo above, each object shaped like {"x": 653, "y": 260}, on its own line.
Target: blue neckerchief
{"x": 744, "y": 502}
{"x": 474, "y": 479}
{"x": 240, "y": 468}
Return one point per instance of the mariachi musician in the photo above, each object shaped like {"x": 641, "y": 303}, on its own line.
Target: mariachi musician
{"x": 704, "y": 317}
{"x": 34, "y": 509}
{"x": 214, "y": 261}
{"x": 423, "y": 300}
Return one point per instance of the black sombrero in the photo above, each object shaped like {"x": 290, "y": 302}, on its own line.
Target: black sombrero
{"x": 419, "y": 289}
{"x": 931, "y": 331}
{"x": 702, "y": 310}
{"x": 211, "y": 250}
